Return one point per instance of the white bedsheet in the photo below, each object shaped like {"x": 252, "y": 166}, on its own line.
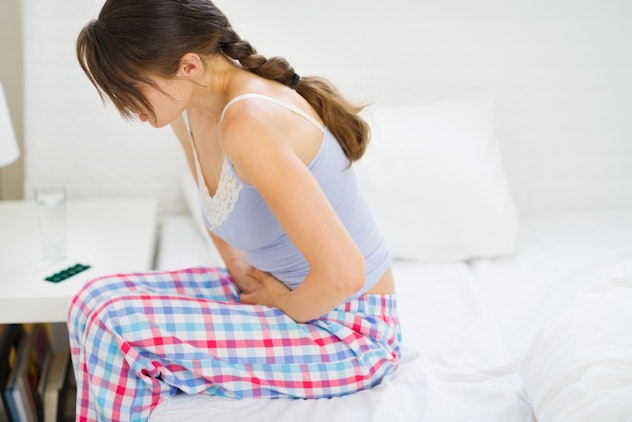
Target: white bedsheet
{"x": 579, "y": 365}
{"x": 422, "y": 390}
{"x": 466, "y": 327}
{"x": 455, "y": 367}
{"x": 558, "y": 256}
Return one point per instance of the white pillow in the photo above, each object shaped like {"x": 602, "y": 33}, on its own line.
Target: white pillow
{"x": 433, "y": 175}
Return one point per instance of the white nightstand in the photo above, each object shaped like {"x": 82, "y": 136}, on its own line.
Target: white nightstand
{"x": 111, "y": 236}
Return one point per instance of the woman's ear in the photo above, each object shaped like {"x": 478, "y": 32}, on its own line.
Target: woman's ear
{"x": 190, "y": 65}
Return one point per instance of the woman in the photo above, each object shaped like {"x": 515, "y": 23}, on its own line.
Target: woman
{"x": 305, "y": 307}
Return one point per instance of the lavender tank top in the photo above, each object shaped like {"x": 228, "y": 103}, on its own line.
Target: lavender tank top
{"x": 238, "y": 214}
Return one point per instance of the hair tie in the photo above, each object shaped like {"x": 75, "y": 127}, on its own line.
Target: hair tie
{"x": 295, "y": 79}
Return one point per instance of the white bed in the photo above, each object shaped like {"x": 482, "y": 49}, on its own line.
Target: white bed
{"x": 482, "y": 296}
{"x": 467, "y": 328}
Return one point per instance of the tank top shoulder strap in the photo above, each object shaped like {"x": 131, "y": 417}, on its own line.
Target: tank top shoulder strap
{"x": 290, "y": 107}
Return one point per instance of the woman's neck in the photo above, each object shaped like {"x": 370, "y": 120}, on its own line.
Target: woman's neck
{"x": 219, "y": 82}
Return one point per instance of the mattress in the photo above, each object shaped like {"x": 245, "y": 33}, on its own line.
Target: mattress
{"x": 467, "y": 327}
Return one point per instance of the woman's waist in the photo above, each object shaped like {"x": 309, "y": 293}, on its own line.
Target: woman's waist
{"x": 384, "y": 286}
{"x": 290, "y": 267}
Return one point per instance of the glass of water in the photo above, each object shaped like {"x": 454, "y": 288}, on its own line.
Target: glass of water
{"x": 51, "y": 213}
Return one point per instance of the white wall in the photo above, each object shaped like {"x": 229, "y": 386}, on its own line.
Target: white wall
{"x": 561, "y": 71}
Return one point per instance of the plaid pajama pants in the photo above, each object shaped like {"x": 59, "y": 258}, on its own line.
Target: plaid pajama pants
{"x": 137, "y": 339}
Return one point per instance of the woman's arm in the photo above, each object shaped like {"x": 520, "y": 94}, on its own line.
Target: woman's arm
{"x": 263, "y": 156}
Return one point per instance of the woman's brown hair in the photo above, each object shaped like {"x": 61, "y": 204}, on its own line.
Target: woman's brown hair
{"x": 132, "y": 39}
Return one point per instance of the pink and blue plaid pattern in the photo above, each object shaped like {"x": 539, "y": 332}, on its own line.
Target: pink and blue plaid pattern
{"x": 137, "y": 339}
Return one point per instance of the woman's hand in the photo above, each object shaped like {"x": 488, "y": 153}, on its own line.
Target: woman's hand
{"x": 259, "y": 287}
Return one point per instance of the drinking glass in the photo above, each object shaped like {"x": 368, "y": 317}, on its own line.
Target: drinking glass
{"x": 51, "y": 213}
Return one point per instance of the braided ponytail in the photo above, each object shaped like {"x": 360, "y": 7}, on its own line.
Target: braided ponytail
{"x": 340, "y": 116}
{"x": 274, "y": 68}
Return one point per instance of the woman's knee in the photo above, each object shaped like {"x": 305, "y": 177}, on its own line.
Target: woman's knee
{"x": 93, "y": 292}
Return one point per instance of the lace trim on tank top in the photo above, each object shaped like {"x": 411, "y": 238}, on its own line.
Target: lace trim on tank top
{"x": 217, "y": 208}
